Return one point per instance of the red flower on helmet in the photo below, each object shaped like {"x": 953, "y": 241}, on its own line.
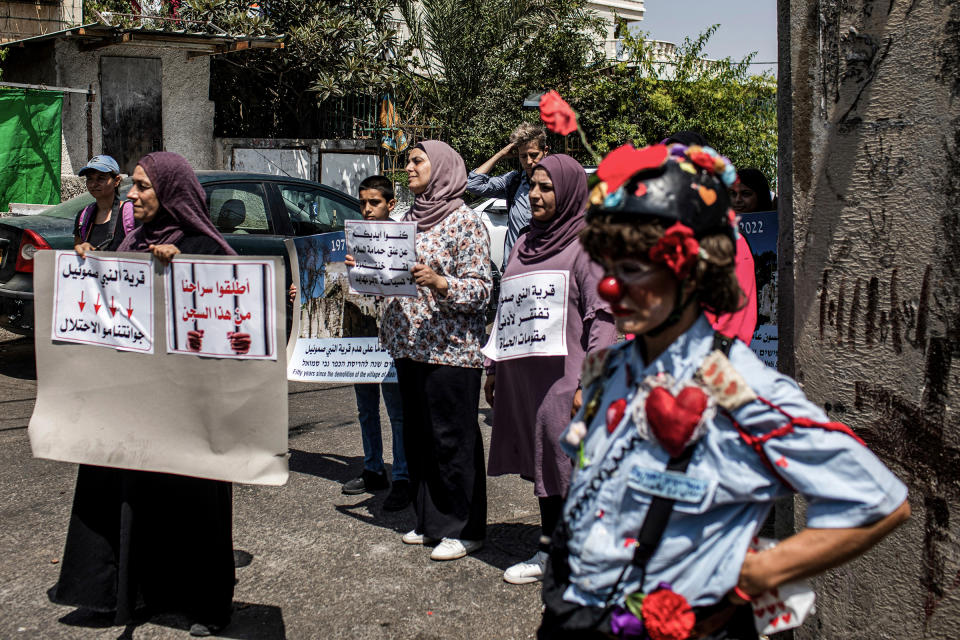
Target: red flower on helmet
{"x": 677, "y": 249}
{"x": 557, "y": 114}
{"x": 702, "y": 158}
{"x": 667, "y": 615}
{"x": 624, "y": 161}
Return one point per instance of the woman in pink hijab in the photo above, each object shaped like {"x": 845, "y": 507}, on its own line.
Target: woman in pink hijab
{"x": 435, "y": 341}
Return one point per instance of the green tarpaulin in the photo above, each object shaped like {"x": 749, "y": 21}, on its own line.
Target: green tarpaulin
{"x": 29, "y": 146}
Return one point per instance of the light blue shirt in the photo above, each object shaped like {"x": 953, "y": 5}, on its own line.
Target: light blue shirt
{"x": 728, "y": 490}
{"x": 518, "y": 216}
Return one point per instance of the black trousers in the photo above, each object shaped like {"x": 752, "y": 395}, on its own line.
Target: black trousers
{"x": 441, "y": 438}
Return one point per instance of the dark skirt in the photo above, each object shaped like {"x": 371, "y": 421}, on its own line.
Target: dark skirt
{"x": 153, "y": 540}
{"x": 444, "y": 448}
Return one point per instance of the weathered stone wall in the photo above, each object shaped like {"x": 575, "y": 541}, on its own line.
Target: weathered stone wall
{"x": 187, "y": 110}
{"x": 870, "y": 179}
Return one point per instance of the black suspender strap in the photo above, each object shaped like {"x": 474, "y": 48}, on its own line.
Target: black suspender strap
{"x": 722, "y": 343}
{"x": 658, "y": 514}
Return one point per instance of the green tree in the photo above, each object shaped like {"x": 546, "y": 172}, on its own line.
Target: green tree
{"x": 646, "y": 98}
{"x": 479, "y": 60}
{"x": 331, "y": 49}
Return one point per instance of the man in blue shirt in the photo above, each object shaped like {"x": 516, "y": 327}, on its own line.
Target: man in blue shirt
{"x": 529, "y": 142}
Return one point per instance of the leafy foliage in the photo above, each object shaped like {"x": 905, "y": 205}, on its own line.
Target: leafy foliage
{"x": 332, "y": 49}
{"x": 647, "y": 98}
{"x": 479, "y": 60}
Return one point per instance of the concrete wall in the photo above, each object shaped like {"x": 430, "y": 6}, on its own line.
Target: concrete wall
{"x": 187, "y": 109}
{"x": 870, "y": 246}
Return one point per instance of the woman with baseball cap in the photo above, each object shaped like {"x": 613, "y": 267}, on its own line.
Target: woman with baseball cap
{"x": 102, "y": 225}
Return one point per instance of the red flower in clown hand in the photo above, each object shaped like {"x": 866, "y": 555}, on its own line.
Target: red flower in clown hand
{"x": 677, "y": 249}
{"x": 625, "y": 160}
{"x": 667, "y": 615}
{"x": 557, "y": 114}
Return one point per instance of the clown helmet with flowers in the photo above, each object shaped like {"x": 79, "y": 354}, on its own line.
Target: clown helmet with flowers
{"x": 665, "y": 209}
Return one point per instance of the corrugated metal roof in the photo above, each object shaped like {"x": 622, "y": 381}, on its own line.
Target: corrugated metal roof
{"x": 100, "y": 31}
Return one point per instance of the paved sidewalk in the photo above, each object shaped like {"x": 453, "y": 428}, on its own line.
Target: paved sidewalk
{"x": 324, "y": 565}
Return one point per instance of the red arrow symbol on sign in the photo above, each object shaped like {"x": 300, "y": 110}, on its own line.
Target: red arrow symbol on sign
{"x": 96, "y": 307}
{"x": 81, "y": 303}
{"x": 129, "y": 307}
{"x": 113, "y": 307}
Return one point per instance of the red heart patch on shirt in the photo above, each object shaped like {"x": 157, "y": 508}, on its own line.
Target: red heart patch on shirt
{"x": 615, "y": 413}
{"x": 674, "y": 419}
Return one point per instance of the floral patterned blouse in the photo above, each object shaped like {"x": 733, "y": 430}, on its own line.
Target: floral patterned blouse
{"x": 447, "y": 329}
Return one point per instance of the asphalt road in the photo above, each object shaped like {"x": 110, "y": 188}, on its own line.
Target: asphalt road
{"x": 324, "y": 565}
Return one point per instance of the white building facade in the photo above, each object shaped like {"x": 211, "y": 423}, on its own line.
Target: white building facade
{"x": 630, "y": 10}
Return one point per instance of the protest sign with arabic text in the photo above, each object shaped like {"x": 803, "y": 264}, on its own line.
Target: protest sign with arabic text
{"x": 222, "y": 309}
{"x": 384, "y": 252}
{"x": 361, "y": 360}
{"x": 531, "y": 317}
{"x": 103, "y": 301}
{"x": 761, "y": 230}
{"x": 212, "y": 417}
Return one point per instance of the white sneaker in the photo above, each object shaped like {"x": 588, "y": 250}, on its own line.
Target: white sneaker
{"x": 528, "y": 571}
{"x": 451, "y": 548}
{"x": 412, "y": 537}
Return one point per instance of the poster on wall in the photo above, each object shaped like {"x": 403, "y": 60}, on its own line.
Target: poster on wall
{"x": 336, "y": 329}
{"x": 103, "y": 301}
{"x": 223, "y": 309}
{"x": 761, "y": 230}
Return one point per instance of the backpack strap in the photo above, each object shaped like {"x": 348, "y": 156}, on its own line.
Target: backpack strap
{"x": 86, "y": 219}
{"x": 126, "y": 217}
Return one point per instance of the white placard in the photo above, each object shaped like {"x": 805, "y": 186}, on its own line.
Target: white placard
{"x": 384, "y": 253}
{"x": 103, "y": 301}
{"x": 341, "y": 360}
{"x": 221, "y": 308}
{"x": 531, "y": 317}
{"x": 231, "y": 416}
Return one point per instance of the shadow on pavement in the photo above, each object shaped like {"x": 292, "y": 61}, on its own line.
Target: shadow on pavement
{"x": 325, "y": 465}
{"x": 370, "y": 511}
{"x": 249, "y": 622}
{"x": 17, "y": 359}
{"x": 507, "y": 542}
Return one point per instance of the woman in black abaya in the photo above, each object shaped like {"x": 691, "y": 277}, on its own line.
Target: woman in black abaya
{"x": 140, "y": 542}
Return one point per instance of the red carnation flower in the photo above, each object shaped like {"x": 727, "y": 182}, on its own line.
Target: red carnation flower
{"x": 557, "y": 114}
{"x": 668, "y": 616}
{"x": 701, "y": 158}
{"x": 677, "y": 249}
{"x": 624, "y": 161}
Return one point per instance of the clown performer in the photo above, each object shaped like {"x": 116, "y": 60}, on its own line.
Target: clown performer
{"x": 685, "y": 438}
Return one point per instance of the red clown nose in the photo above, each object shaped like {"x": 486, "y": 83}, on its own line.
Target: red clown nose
{"x": 610, "y": 289}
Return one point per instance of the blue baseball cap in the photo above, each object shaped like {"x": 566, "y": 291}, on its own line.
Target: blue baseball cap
{"x": 104, "y": 164}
